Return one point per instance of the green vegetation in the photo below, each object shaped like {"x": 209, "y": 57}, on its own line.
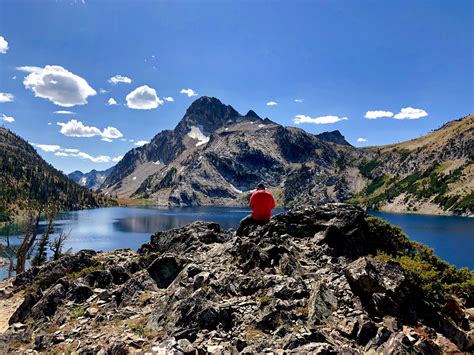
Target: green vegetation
{"x": 84, "y": 272}
{"x": 375, "y": 184}
{"x": 432, "y": 277}
{"x": 367, "y": 167}
{"x": 26, "y": 178}
{"x": 78, "y": 311}
{"x": 427, "y": 184}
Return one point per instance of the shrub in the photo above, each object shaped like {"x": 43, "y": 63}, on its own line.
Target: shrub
{"x": 432, "y": 277}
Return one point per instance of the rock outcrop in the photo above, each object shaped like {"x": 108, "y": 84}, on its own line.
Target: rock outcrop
{"x": 312, "y": 280}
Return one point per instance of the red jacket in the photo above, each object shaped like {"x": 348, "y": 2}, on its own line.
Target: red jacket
{"x": 262, "y": 203}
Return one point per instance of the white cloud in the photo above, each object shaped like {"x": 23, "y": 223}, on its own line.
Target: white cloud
{"x": 372, "y": 115}
{"x": 318, "y": 120}
{"x": 63, "y": 112}
{"x": 410, "y": 113}
{"x": 111, "y": 133}
{"x": 48, "y": 147}
{"x": 6, "y": 118}
{"x": 168, "y": 98}
{"x": 361, "y": 140}
{"x": 58, "y": 85}
{"x": 143, "y": 98}
{"x": 140, "y": 143}
{"x": 272, "y": 103}
{"x": 298, "y": 100}
{"x": 106, "y": 139}
{"x": 6, "y": 97}
{"x": 50, "y": 123}
{"x": 189, "y": 92}
{"x": 75, "y": 153}
{"x": 119, "y": 79}
{"x": 111, "y": 102}
{"x": 74, "y": 128}
{"x": 102, "y": 91}
{"x": 3, "y": 45}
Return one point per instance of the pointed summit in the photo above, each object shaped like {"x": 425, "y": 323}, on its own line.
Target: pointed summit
{"x": 208, "y": 114}
{"x": 252, "y": 114}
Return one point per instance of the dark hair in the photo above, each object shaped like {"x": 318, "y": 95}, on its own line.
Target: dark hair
{"x": 261, "y": 186}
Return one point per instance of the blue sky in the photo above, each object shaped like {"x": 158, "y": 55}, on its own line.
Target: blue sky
{"x": 341, "y": 59}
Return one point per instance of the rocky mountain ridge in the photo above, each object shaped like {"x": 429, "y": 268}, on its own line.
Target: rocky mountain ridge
{"x": 215, "y": 156}
{"x": 91, "y": 180}
{"x": 325, "y": 279}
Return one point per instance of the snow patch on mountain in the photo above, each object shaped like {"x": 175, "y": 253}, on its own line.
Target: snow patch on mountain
{"x": 196, "y": 133}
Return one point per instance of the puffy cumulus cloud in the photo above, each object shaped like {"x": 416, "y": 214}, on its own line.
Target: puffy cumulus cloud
{"x": 318, "y": 120}
{"x": 168, "y": 99}
{"x": 74, "y": 128}
{"x": 63, "y": 112}
{"x": 410, "y": 113}
{"x": 298, "y": 100}
{"x": 372, "y": 115}
{"x": 57, "y": 85}
{"x": 143, "y": 98}
{"x": 3, "y": 45}
{"x": 7, "y": 119}
{"x": 111, "y": 133}
{"x": 361, "y": 140}
{"x": 140, "y": 143}
{"x": 189, "y": 92}
{"x": 111, "y": 102}
{"x": 272, "y": 103}
{"x": 120, "y": 79}
{"x": 6, "y": 97}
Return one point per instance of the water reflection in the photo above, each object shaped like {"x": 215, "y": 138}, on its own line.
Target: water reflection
{"x": 108, "y": 229}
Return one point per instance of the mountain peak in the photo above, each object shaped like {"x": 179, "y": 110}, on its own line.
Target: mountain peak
{"x": 207, "y": 113}
{"x": 252, "y": 114}
{"x": 334, "y": 137}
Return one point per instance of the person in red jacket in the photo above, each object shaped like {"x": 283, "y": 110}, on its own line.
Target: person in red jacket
{"x": 261, "y": 203}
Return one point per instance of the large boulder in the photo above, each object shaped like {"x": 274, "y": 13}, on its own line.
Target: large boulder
{"x": 382, "y": 287}
{"x": 49, "y": 303}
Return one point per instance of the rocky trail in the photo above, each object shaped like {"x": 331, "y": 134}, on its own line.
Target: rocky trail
{"x": 313, "y": 280}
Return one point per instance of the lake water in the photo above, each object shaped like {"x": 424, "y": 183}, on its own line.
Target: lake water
{"x": 108, "y": 229}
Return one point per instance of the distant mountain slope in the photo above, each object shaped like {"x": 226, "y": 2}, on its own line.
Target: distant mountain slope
{"x": 26, "y": 176}
{"x": 91, "y": 180}
{"x": 431, "y": 174}
{"x": 216, "y": 156}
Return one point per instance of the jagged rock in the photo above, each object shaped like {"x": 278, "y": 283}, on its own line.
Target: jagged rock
{"x": 164, "y": 270}
{"x": 99, "y": 278}
{"x": 50, "y": 273}
{"x": 25, "y": 307}
{"x": 286, "y": 286}
{"x": 322, "y": 303}
{"x": 47, "y": 305}
{"x": 119, "y": 275}
{"x": 79, "y": 291}
{"x": 381, "y": 286}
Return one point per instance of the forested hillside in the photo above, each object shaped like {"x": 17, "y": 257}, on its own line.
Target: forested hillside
{"x": 26, "y": 179}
